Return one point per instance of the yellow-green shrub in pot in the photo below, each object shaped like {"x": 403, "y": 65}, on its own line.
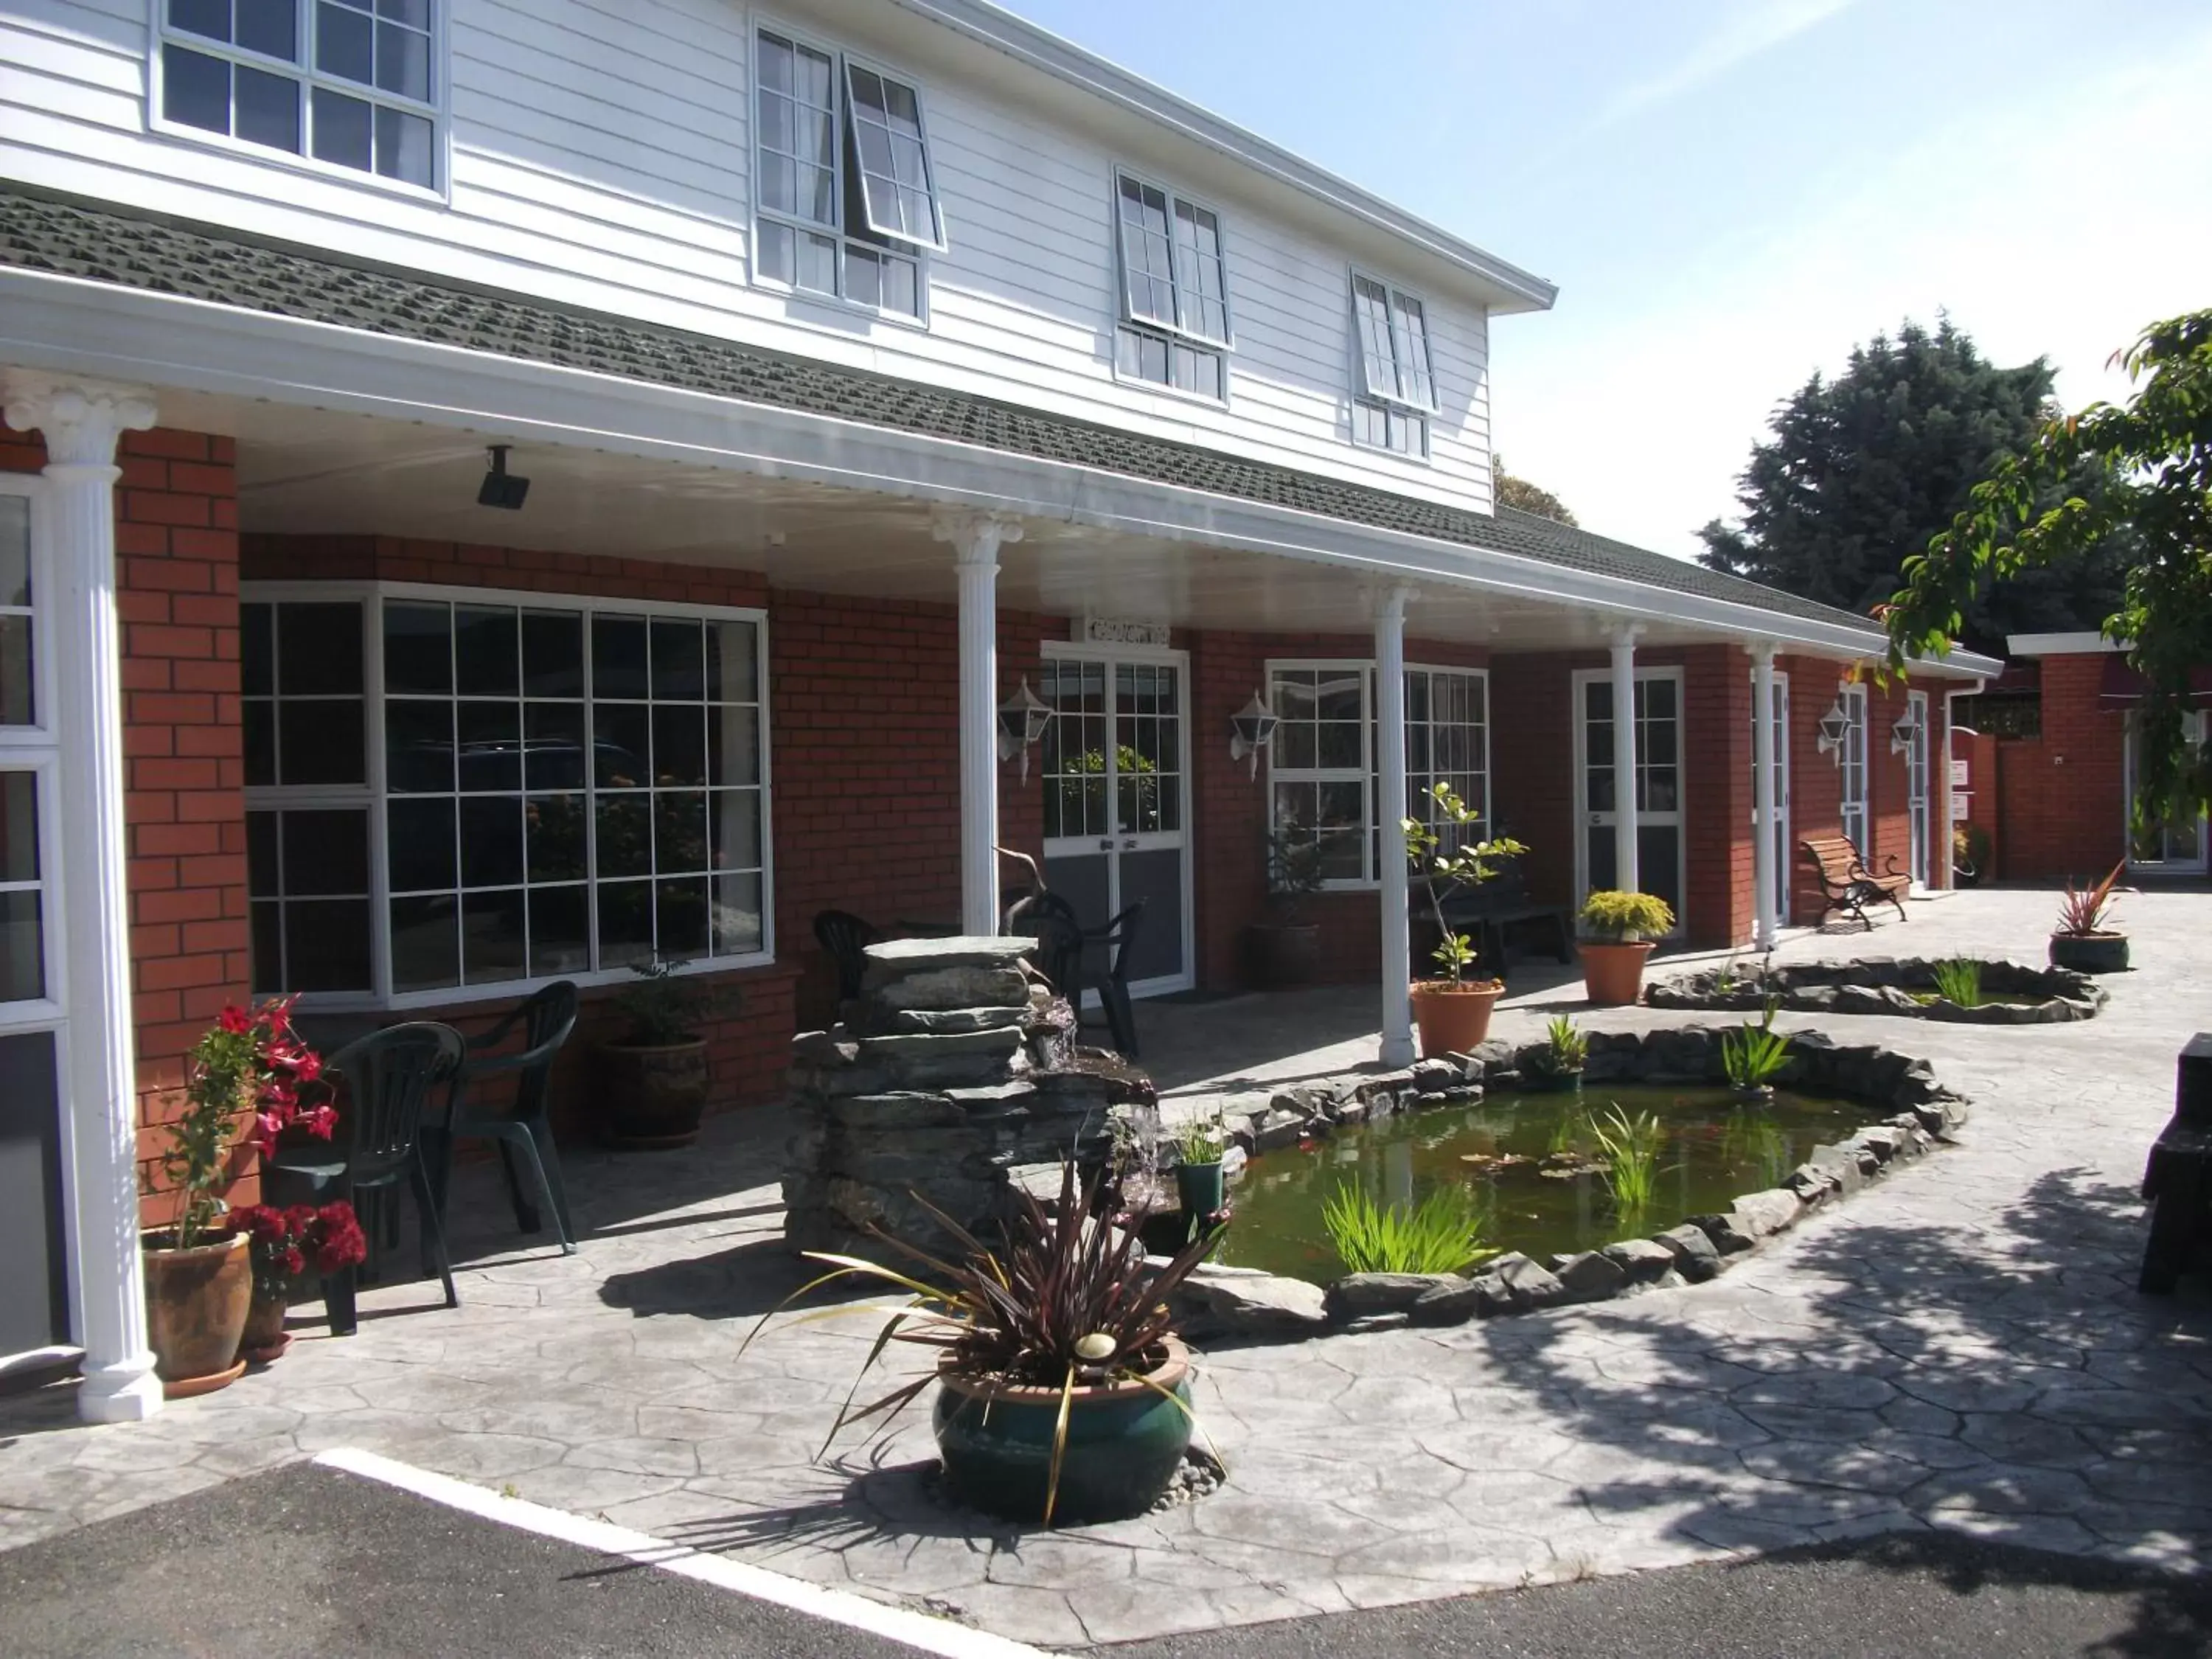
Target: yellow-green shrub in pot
{"x": 1618, "y": 930}
{"x": 1452, "y": 1010}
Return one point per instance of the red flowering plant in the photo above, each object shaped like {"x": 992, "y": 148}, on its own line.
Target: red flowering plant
{"x": 285, "y": 1241}
{"x": 251, "y": 1065}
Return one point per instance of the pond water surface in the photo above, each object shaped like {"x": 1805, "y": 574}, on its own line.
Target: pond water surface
{"x": 1529, "y": 1156}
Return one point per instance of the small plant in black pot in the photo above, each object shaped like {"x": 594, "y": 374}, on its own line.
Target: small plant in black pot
{"x": 2083, "y": 939}
{"x": 654, "y": 1078}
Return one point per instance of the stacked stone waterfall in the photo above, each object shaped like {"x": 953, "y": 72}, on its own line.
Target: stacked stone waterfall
{"x": 955, "y": 1075}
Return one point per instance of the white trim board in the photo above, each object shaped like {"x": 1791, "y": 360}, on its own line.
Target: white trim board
{"x": 926, "y": 1635}
{"x": 74, "y": 325}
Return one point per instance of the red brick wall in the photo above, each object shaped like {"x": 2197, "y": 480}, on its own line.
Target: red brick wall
{"x": 177, "y": 595}
{"x": 1979, "y": 752}
{"x": 2062, "y": 797}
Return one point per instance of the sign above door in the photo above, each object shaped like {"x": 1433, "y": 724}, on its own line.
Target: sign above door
{"x": 1122, "y": 630}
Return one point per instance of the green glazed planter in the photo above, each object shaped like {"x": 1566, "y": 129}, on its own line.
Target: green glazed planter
{"x": 1202, "y": 1188}
{"x": 1124, "y": 1444}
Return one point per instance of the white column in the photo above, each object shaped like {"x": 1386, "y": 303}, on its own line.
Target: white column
{"x": 977, "y": 538}
{"x": 1939, "y": 864}
{"x": 81, "y": 420}
{"x": 1389, "y": 813}
{"x": 1625, "y": 876}
{"x": 1763, "y": 792}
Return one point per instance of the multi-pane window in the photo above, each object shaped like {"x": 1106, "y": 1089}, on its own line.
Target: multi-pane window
{"x": 1851, "y": 764}
{"x": 553, "y": 790}
{"x": 28, "y": 764}
{"x": 1324, "y": 765}
{"x": 1393, "y": 386}
{"x": 22, "y": 903}
{"x": 1658, "y": 746}
{"x": 1174, "y": 290}
{"x": 846, "y": 200}
{"x": 354, "y": 83}
{"x": 18, "y": 691}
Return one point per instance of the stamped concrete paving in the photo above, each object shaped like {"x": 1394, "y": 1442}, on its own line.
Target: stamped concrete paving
{"x": 1961, "y": 1347}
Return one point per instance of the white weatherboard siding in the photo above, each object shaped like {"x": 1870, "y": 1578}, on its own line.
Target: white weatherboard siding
{"x": 600, "y": 157}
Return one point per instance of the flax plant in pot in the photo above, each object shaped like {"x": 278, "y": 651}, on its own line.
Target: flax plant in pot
{"x": 1619, "y": 930}
{"x": 1449, "y": 857}
{"x": 2082, "y": 941}
{"x": 1063, "y": 1394}
{"x": 243, "y": 1084}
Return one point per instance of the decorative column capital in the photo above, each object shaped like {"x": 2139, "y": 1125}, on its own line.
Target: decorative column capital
{"x": 1762, "y": 652}
{"x": 1390, "y": 602}
{"x": 81, "y": 419}
{"x": 1625, "y": 636}
{"x": 976, "y": 534}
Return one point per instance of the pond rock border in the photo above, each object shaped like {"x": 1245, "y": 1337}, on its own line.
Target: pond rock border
{"x": 1881, "y": 985}
{"x": 1244, "y": 1302}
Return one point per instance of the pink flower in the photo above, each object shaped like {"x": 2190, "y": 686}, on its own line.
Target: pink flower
{"x": 235, "y": 1020}
{"x": 319, "y": 1121}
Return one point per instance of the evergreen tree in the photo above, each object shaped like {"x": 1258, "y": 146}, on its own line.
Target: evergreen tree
{"x": 1863, "y": 471}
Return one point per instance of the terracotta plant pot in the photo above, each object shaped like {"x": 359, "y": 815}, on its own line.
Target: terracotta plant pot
{"x": 2090, "y": 953}
{"x": 1284, "y": 954}
{"x": 1613, "y": 972}
{"x": 1454, "y": 1019}
{"x": 1125, "y": 1442}
{"x": 652, "y": 1094}
{"x": 265, "y": 1338}
{"x": 197, "y": 1302}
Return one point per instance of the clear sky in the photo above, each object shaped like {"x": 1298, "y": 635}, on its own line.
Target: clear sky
{"x": 1732, "y": 193}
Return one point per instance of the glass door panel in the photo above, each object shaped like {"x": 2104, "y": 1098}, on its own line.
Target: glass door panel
{"x": 1659, "y": 844}
{"x": 2167, "y": 844}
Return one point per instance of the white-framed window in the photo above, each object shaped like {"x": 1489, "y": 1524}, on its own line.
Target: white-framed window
{"x": 1175, "y": 326}
{"x": 353, "y": 85}
{"x": 460, "y": 793}
{"x": 23, "y": 711}
{"x": 1323, "y": 767}
{"x": 1393, "y": 387}
{"x": 1851, "y": 766}
{"x": 30, "y": 757}
{"x": 846, "y": 205}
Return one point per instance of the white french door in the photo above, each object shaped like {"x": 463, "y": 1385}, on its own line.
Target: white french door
{"x": 1852, "y": 764}
{"x": 1780, "y": 833}
{"x": 1117, "y": 800}
{"x": 2172, "y": 846}
{"x": 1661, "y": 847}
{"x": 1916, "y": 801}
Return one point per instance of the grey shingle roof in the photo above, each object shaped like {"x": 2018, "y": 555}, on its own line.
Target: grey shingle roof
{"x": 40, "y": 231}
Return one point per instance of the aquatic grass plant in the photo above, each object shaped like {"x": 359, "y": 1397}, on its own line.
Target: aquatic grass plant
{"x": 1442, "y": 1234}
{"x": 1200, "y": 1140}
{"x": 1566, "y": 1047}
{"x": 1753, "y": 1056}
{"x": 1629, "y": 1149}
{"x": 1751, "y": 1140}
{"x": 1960, "y": 981}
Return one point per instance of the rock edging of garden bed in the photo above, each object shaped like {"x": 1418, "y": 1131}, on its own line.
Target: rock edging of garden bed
{"x": 1881, "y": 985}
{"x": 1220, "y": 1301}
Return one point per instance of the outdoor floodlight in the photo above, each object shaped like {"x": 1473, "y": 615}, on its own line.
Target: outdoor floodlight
{"x": 1907, "y": 728}
{"x": 501, "y": 487}
{"x": 1252, "y": 728}
{"x": 1835, "y": 726}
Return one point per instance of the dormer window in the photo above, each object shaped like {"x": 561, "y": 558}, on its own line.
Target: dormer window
{"x": 846, "y": 204}
{"x": 354, "y": 84}
{"x": 1393, "y": 389}
{"x": 1174, "y": 290}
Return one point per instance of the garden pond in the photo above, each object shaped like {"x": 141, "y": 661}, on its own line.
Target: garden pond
{"x": 1532, "y": 1159}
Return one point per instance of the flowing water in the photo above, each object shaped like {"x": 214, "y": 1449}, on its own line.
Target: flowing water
{"x": 1533, "y": 1159}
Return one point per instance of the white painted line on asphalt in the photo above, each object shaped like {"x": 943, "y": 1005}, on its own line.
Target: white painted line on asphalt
{"x": 932, "y": 1636}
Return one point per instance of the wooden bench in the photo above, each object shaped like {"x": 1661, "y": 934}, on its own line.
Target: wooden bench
{"x": 1489, "y": 910}
{"x": 2178, "y": 1182}
{"x": 1848, "y": 884}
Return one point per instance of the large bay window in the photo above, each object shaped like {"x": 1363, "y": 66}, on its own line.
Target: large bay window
{"x": 454, "y": 791}
{"x": 1324, "y": 769}
{"x": 1174, "y": 290}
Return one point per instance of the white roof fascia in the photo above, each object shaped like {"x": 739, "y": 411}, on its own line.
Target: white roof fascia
{"x": 1509, "y": 288}
{"x": 2085, "y": 643}
{"x": 71, "y": 325}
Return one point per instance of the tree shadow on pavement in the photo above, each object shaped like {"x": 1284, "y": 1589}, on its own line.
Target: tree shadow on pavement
{"x": 2008, "y": 1382}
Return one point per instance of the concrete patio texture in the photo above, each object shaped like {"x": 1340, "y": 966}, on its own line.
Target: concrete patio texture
{"x": 1960, "y": 1347}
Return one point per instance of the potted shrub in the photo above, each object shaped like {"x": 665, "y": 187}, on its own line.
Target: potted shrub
{"x": 1619, "y": 930}
{"x": 1970, "y": 856}
{"x": 2081, "y": 940}
{"x": 654, "y": 1079}
{"x": 1062, "y": 1392}
{"x": 1285, "y": 948}
{"x": 244, "y": 1081}
{"x": 1453, "y": 1010}
{"x": 1198, "y": 1182}
{"x": 281, "y": 1242}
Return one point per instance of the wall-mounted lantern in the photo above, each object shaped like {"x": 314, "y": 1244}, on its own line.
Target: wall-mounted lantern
{"x": 1835, "y": 726}
{"x": 1902, "y": 734}
{"x": 1023, "y": 719}
{"x": 1251, "y": 729}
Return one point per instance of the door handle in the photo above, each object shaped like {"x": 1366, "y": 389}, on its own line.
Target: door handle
{"x": 1107, "y": 845}
{"x": 1130, "y": 845}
